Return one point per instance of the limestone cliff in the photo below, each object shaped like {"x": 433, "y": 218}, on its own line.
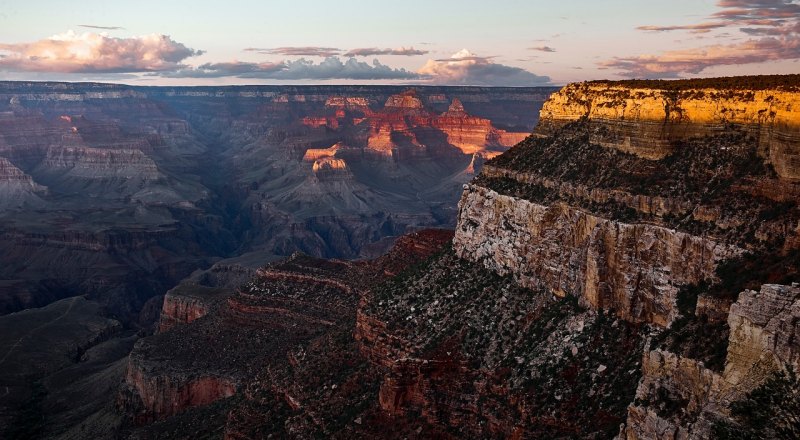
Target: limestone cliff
{"x": 634, "y": 269}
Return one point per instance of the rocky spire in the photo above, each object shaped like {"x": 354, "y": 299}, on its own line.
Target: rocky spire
{"x": 456, "y": 106}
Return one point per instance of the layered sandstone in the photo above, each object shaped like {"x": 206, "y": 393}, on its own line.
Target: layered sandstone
{"x": 312, "y": 154}
{"x": 648, "y": 121}
{"x": 95, "y": 163}
{"x": 329, "y": 168}
{"x": 472, "y": 134}
{"x": 406, "y": 121}
{"x": 156, "y": 394}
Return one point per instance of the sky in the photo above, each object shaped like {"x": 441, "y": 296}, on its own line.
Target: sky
{"x": 442, "y": 42}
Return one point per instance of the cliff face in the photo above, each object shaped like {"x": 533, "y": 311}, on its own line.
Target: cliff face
{"x": 653, "y": 204}
{"x": 647, "y": 122}
{"x": 679, "y": 397}
{"x": 186, "y": 303}
{"x": 101, "y": 163}
{"x": 635, "y": 269}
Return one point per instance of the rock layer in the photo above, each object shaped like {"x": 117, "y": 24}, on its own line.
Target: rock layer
{"x": 648, "y": 122}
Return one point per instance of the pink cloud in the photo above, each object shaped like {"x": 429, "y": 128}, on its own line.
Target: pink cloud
{"x": 91, "y": 52}
{"x": 466, "y": 68}
{"x": 775, "y": 23}
{"x": 672, "y": 63}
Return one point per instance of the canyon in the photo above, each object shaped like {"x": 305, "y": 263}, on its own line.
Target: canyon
{"x": 115, "y": 194}
{"x": 121, "y": 192}
{"x": 629, "y": 270}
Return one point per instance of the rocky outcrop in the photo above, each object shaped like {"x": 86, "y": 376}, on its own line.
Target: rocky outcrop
{"x": 328, "y": 168}
{"x": 95, "y": 163}
{"x": 188, "y": 302}
{"x": 764, "y": 330}
{"x": 405, "y": 121}
{"x": 679, "y": 398}
{"x": 473, "y": 134}
{"x": 280, "y": 341}
{"x": 648, "y": 122}
{"x": 17, "y": 189}
{"x": 153, "y": 394}
{"x": 408, "y": 100}
{"x": 634, "y": 269}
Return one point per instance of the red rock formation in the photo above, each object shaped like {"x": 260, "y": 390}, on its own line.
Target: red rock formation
{"x": 406, "y": 121}
{"x": 188, "y": 302}
{"x": 157, "y": 396}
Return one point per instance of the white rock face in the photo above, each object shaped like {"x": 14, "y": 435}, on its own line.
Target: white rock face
{"x": 634, "y": 269}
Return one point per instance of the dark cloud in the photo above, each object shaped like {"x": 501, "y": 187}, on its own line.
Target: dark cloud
{"x": 542, "y": 48}
{"x": 465, "y": 55}
{"x": 302, "y": 69}
{"x": 772, "y": 25}
{"x": 300, "y": 51}
{"x": 466, "y": 68}
{"x": 372, "y": 51}
{"x": 96, "y": 53}
{"x": 105, "y": 28}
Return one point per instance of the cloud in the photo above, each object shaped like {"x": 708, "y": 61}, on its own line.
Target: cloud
{"x": 466, "y": 68}
{"x": 105, "y": 28}
{"x": 700, "y": 27}
{"x": 300, "y": 51}
{"x": 772, "y": 25}
{"x": 326, "y": 52}
{"x": 371, "y": 51}
{"x": 96, "y": 53}
{"x": 673, "y": 63}
{"x": 302, "y": 69}
{"x": 542, "y": 48}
